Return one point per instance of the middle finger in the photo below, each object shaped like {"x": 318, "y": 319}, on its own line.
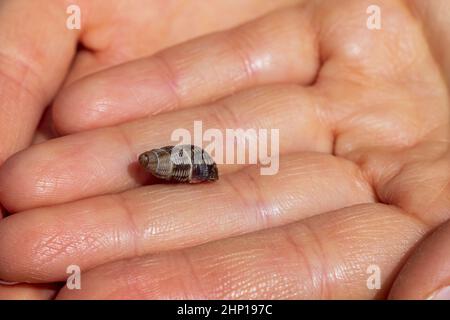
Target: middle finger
{"x": 104, "y": 160}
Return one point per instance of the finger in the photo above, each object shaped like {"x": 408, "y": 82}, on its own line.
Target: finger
{"x": 30, "y": 48}
{"x": 153, "y": 29}
{"x": 159, "y": 218}
{"x": 277, "y": 48}
{"x": 104, "y": 160}
{"x": 325, "y": 256}
{"x": 426, "y": 275}
{"x": 28, "y": 292}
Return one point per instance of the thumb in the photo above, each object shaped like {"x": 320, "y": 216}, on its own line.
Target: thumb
{"x": 426, "y": 275}
{"x": 35, "y": 53}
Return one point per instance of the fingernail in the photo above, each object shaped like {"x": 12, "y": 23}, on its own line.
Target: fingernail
{"x": 441, "y": 294}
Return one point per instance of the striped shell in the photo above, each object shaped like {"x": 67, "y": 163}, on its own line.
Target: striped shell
{"x": 181, "y": 163}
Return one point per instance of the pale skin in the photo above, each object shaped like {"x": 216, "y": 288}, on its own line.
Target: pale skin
{"x": 364, "y": 166}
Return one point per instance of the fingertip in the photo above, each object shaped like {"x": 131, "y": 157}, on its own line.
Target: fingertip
{"x": 12, "y": 259}
{"x": 33, "y": 176}
{"x": 12, "y": 184}
{"x": 25, "y": 291}
{"x": 78, "y": 108}
{"x": 30, "y": 253}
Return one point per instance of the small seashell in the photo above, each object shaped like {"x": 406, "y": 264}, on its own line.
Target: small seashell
{"x": 181, "y": 163}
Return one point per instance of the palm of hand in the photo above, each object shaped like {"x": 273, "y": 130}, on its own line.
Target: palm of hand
{"x": 363, "y": 119}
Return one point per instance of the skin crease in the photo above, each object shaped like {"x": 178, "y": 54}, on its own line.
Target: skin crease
{"x": 375, "y": 110}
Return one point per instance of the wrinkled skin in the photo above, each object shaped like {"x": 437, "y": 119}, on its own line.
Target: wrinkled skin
{"x": 364, "y": 166}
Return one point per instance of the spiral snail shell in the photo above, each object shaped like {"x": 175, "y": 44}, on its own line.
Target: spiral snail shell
{"x": 181, "y": 163}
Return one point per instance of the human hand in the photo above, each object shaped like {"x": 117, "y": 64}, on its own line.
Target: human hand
{"x": 347, "y": 195}
{"x": 35, "y": 40}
